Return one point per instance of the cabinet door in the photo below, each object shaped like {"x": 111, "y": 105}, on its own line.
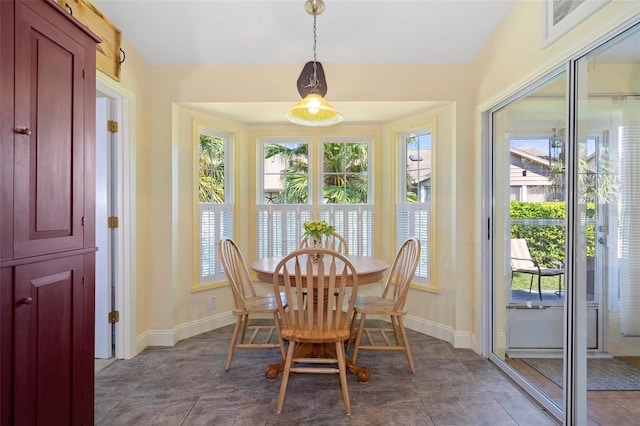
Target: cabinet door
{"x": 49, "y": 136}
{"x": 49, "y": 331}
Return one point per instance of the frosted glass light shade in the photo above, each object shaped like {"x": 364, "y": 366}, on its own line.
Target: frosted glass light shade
{"x": 313, "y": 110}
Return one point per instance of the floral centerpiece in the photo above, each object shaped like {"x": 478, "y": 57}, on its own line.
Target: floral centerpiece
{"x": 316, "y": 229}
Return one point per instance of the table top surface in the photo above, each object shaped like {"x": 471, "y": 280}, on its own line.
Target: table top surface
{"x": 369, "y": 269}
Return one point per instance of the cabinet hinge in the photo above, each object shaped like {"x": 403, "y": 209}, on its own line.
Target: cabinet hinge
{"x": 112, "y": 126}
{"x": 114, "y": 317}
{"x": 83, "y": 76}
{"x": 112, "y": 222}
{"x": 82, "y": 220}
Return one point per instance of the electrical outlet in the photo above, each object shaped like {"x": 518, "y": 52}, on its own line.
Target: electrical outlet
{"x": 212, "y": 303}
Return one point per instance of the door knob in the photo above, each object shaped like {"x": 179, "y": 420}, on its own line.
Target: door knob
{"x": 25, "y": 301}
{"x": 23, "y": 131}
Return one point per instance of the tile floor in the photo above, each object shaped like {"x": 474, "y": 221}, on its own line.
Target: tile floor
{"x": 187, "y": 385}
{"x": 604, "y": 408}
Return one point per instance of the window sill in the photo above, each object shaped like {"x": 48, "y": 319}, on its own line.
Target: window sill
{"x": 202, "y": 287}
{"x": 425, "y": 288}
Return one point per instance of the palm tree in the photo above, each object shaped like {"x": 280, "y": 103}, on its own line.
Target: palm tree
{"x": 211, "y": 169}
{"x": 345, "y": 173}
{"x": 294, "y": 177}
{"x": 598, "y": 183}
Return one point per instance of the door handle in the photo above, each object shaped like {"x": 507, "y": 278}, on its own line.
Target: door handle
{"x": 23, "y": 131}
{"x": 25, "y": 301}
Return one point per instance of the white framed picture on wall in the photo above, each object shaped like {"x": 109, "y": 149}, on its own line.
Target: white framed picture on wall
{"x": 560, "y": 16}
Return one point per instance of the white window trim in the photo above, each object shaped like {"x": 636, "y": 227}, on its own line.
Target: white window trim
{"x": 413, "y": 209}
{"x": 220, "y": 210}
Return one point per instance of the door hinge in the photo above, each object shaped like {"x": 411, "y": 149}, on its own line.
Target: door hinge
{"x": 112, "y": 222}
{"x": 112, "y": 126}
{"x": 82, "y": 220}
{"x": 114, "y": 317}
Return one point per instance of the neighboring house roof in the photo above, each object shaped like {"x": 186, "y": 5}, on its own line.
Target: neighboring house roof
{"x": 536, "y": 162}
{"x": 419, "y": 165}
{"x": 532, "y": 154}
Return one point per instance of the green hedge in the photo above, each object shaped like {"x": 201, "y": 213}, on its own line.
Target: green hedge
{"x": 546, "y": 242}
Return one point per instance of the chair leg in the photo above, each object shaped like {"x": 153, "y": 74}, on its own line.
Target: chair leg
{"x": 276, "y": 320}
{"x": 407, "y": 351}
{"x": 351, "y": 330}
{"x": 356, "y": 348}
{"x": 245, "y": 323}
{"x": 342, "y": 369}
{"x": 285, "y": 376}
{"x": 394, "y": 327}
{"x": 232, "y": 347}
{"x": 539, "y": 285}
{"x": 560, "y": 285}
{"x": 531, "y": 284}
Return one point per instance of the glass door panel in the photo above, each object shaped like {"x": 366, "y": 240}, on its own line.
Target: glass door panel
{"x": 607, "y": 218}
{"x": 528, "y": 284}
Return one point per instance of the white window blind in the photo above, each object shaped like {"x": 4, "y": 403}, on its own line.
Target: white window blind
{"x": 412, "y": 220}
{"x": 216, "y": 221}
{"x": 280, "y": 228}
{"x": 354, "y": 222}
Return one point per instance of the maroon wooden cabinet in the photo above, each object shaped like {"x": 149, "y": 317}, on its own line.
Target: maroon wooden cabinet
{"x": 47, "y": 215}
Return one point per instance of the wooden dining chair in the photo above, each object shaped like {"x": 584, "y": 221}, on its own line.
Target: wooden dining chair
{"x": 391, "y": 303}
{"x": 333, "y": 241}
{"x": 246, "y": 302}
{"x": 322, "y": 321}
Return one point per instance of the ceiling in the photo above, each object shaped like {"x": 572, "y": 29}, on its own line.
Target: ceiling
{"x": 200, "y": 32}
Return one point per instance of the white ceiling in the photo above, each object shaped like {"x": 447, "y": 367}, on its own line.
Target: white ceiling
{"x": 174, "y": 32}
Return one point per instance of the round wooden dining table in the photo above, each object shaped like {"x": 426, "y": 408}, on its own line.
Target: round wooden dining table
{"x": 368, "y": 269}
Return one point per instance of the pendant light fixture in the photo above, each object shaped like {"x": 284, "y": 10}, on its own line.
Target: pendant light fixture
{"x": 313, "y": 110}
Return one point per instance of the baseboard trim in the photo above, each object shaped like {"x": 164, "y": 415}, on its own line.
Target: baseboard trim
{"x": 460, "y": 340}
{"x": 184, "y": 331}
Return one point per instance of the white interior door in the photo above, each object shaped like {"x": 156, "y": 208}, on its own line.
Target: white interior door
{"x": 103, "y": 302}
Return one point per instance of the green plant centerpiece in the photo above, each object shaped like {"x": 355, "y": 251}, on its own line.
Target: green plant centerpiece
{"x": 315, "y": 231}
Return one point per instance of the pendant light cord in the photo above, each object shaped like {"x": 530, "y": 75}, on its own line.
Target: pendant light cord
{"x": 314, "y": 83}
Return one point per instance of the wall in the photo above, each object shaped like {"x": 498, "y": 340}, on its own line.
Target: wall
{"x": 173, "y": 308}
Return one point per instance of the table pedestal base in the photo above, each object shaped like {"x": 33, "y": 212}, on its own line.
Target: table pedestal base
{"x": 317, "y": 350}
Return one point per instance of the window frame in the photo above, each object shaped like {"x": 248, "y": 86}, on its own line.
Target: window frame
{"x": 342, "y": 215}
{"x": 406, "y": 212}
{"x": 270, "y": 216}
{"x": 222, "y": 211}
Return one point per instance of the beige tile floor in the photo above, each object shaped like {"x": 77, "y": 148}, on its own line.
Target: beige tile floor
{"x": 187, "y": 385}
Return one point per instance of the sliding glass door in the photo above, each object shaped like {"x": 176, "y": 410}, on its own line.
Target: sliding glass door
{"x": 564, "y": 235}
{"x": 607, "y": 223}
{"x": 529, "y": 233}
